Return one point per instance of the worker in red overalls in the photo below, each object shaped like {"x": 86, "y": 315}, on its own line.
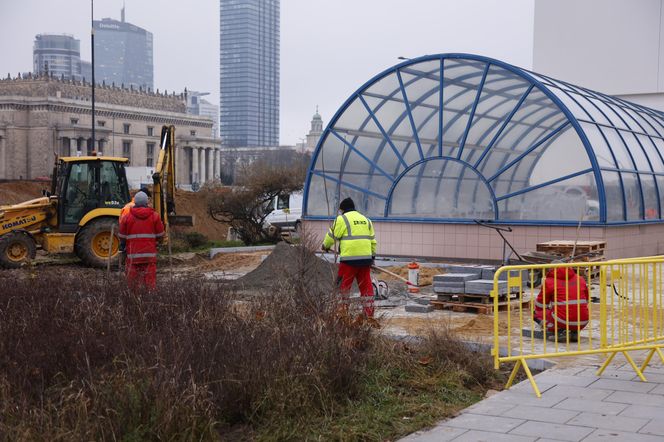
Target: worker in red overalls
{"x": 141, "y": 228}
{"x": 562, "y": 304}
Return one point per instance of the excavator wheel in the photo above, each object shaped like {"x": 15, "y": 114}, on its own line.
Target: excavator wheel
{"x": 93, "y": 243}
{"x": 16, "y": 249}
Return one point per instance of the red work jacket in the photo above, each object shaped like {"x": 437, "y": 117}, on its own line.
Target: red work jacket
{"x": 565, "y": 298}
{"x": 141, "y": 227}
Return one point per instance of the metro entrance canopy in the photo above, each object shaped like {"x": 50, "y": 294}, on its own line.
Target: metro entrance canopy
{"x": 458, "y": 137}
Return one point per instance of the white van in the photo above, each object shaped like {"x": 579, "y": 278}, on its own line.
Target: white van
{"x": 285, "y": 212}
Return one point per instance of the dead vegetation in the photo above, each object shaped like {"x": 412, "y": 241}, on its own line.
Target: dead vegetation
{"x": 83, "y": 359}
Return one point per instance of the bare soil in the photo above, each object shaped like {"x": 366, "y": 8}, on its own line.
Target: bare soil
{"x": 196, "y": 204}
{"x": 13, "y": 192}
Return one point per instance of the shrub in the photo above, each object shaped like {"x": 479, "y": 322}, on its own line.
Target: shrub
{"x": 196, "y": 239}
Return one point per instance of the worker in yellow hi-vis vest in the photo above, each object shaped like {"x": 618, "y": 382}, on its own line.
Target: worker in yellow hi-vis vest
{"x": 357, "y": 251}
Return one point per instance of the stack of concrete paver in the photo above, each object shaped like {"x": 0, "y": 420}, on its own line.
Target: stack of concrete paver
{"x": 452, "y": 283}
{"x": 471, "y": 279}
{"x": 483, "y": 287}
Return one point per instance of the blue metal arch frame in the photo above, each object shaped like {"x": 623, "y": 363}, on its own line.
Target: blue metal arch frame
{"x": 552, "y": 89}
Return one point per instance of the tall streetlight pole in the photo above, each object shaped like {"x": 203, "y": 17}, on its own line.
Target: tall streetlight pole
{"x": 92, "y": 43}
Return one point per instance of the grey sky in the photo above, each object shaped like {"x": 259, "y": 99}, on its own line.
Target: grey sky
{"x": 328, "y": 47}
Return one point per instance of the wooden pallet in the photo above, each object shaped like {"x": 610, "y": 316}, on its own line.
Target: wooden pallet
{"x": 474, "y": 307}
{"x": 588, "y": 251}
{"x": 466, "y": 297}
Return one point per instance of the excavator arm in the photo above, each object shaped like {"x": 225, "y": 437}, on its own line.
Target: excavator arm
{"x": 164, "y": 181}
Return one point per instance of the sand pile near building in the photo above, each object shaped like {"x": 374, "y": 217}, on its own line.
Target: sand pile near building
{"x": 12, "y": 192}
{"x": 291, "y": 263}
{"x": 196, "y": 204}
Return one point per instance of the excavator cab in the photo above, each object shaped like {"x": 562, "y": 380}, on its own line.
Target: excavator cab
{"x": 87, "y": 183}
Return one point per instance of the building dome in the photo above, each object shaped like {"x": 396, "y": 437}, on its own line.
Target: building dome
{"x": 459, "y": 137}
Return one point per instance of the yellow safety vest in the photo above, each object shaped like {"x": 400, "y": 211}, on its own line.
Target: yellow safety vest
{"x": 355, "y": 234}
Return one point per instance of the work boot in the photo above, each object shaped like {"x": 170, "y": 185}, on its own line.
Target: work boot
{"x": 562, "y": 336}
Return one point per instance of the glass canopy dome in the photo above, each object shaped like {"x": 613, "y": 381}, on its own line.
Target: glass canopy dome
{"x": 458, "y": 137}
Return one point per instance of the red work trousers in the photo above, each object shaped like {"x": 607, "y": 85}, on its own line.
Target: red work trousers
{"x": 347, "y": 274}
{"x": 142, "y": 276}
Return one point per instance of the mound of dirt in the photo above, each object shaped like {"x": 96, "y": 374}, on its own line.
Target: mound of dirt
{"x": 13, "y": 192}
{"x": 196, "y": 204}
{"x": 286, "y": 262}
{"x": 233, "y": 261}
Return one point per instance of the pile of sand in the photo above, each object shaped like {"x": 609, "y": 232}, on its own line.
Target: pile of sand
{"x": 196, "y": 204}
{"x": 13, "y": 192}
{"x": 291, "y": 262}
{"x": 233, "y": 261}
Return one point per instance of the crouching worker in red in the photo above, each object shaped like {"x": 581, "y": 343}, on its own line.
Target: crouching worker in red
{"x": 357, "y": 250}
{"x": 562, "y": 304}
{"x": 141, "y": 228}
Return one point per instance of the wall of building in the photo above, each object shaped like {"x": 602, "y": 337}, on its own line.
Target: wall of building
{"x": 612, "y": 46}
{"x": 471, "y": 242}
{"x": 42, "y": 117}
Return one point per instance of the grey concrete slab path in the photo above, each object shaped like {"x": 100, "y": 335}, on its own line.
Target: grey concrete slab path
{"x": 576, "y": 405}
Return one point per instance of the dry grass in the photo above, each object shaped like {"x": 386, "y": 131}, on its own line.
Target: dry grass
{"x": 83, "y": 359}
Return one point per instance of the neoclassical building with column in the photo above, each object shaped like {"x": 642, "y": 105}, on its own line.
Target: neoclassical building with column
{"x": 41, "y": 117}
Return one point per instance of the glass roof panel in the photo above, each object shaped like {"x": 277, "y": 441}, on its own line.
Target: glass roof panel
{"x": 650, "y": 199}
{"x": 442, "y": 188}
{"x": 613, "y": 191}
{"x": 568, "y": 200}
{"x": 461, "y": 79}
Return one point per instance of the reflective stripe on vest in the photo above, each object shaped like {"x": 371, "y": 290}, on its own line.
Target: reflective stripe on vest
{"x": 144, "y": 235}
{"x": 354, "y": 258}
{"x": 142, "y": 255}
{"x": 571, "y": 302}
{"x": 345, "y": 238}
{"x": 537, "y": 304}
{"x": 563, "y": 321}
{"x": 347, "y": 225}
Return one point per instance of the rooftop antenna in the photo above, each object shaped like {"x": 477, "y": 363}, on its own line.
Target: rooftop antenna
{"x": 92, "y": 46}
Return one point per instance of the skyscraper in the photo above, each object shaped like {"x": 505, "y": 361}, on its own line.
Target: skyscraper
{"x": 59, "y": 55}
{"x": 123, "y": 53}
{"x": 249, "y": 72}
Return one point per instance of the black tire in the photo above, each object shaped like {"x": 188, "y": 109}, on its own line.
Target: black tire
{"x": 16, "y": 249}
{"x": 92, "y": 243}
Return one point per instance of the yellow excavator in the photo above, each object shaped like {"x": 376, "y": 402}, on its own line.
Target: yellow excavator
{"x": 82, "y": 209}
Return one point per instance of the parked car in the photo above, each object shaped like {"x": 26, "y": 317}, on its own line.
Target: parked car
{"x": 285, "y": 212}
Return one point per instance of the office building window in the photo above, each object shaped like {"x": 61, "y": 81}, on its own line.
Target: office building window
{"x": 73, "y": 120}
{"x": 149, "y": 161}
{"x": 126, "y": 149}
{"x": 150, "y": 131}
{"x": 192, "y": 133}
{"x": 101, "y": 123}
{"x": 125, "y": 128}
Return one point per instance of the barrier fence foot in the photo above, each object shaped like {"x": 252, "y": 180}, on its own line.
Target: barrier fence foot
{"x": 605, "y": 364}
{"x": 633, "y": 364}
{"x": 519, "y": 363}
{"x": 649, "y": 358}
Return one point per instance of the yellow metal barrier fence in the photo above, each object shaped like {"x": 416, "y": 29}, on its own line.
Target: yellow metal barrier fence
{"x": 575, "y": 309}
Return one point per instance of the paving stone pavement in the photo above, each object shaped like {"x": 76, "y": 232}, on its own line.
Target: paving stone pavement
{"x": 576, "y": 405}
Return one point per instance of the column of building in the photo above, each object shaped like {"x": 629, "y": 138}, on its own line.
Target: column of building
{"x": 217, "y": 164}
{"x": 73, "y": 147}
{"x": 210, "y": 164}
{"x": 202, "y": 166}
{"x": 3, "y": 159}
{"x": 194, "y": 164}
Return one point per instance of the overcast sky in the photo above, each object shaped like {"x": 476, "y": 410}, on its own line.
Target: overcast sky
{"x": 328, "y": 47}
